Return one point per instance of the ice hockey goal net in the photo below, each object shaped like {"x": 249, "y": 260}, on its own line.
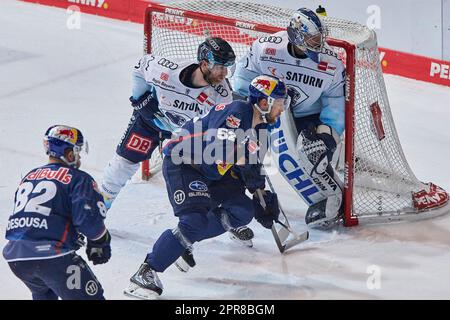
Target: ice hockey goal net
{"x": 379, "y": 184}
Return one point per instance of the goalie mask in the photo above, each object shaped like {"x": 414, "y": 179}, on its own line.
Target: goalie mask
{"x": 307, "y": 31}
{"x": 59, "y": 138}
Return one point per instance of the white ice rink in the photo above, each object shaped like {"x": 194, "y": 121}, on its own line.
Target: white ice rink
{"x": 50, "y": 74}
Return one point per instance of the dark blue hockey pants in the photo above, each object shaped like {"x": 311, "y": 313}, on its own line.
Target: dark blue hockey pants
{"x": 195, "y": 201}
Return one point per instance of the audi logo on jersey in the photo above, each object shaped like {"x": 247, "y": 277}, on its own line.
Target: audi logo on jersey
{"x": 270, "y": 39}
{"x": 167, "y": 63}
{"x": 220, "y": 89}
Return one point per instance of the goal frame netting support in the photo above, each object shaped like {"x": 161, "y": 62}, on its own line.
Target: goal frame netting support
{"x": 350, "y": 219}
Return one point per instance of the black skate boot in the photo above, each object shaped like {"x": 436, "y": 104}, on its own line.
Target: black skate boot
{"x": 242, "y": 235}
{"x": 186, "y": 261}
{"x": 144, "y": 284}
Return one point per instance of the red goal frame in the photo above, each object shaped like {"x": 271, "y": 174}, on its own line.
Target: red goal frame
{"x": 349, "y": 218}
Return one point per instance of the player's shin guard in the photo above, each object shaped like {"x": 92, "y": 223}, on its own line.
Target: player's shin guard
{"x": 116, "y": 174}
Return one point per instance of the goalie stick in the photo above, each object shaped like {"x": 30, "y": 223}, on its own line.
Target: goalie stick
{"x": 283, "y": 233}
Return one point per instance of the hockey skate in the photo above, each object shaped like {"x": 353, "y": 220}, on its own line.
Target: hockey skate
{"x": 317, "y": 218}
{"x": 242, "y": 235}
{"x": 144, "y": 284}
{"x": 186, "y": 261}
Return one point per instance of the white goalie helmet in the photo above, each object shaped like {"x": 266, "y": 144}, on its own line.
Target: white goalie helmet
{"x": 307, "y": 31}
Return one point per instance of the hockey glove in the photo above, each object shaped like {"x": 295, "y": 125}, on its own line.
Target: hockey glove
{"x": 251, "y": 176}
{"x": 266, "y": 216}
{"x": 99, "y": 251}
{"x": 146, "y": 105}
{"x": 318, "y": 147}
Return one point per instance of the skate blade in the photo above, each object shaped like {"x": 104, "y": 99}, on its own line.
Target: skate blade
{"x": 134, "y": 291}
{"x": 182, "y": 265}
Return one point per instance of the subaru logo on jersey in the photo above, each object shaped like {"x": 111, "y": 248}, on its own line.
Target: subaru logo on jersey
{"x": 233, "y": 122}
{"x": 198, "y": 186}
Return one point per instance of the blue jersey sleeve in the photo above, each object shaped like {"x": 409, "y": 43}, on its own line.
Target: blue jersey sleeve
{"x": 88, "y": 208}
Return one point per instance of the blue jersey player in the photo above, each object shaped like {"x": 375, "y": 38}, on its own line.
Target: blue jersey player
{"x": 207, "y": 169}
{"x": 55, "y": 206}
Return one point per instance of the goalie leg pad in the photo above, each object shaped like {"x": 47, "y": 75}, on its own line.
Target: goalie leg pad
{"x": 325, "y": 214}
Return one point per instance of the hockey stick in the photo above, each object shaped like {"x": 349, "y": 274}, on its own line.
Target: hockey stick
{"x": 281, "y": 235}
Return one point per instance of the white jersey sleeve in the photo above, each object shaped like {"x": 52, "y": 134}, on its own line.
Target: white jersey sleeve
{"x": 333, "y": 97}
{"x": 247, "y": 68}
{"x": 139, "y": 84}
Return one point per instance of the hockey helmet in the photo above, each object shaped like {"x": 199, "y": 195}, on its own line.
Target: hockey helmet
{"x": 267, "y": 87}
{"x": 59, "y": 138}
{"x": 307, "y": 31}
{"x": 216, "y": 51}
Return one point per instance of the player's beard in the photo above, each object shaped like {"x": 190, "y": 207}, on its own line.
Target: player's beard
{"x": 209, "y": 79}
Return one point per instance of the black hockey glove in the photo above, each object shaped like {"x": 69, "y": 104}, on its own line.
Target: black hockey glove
{"x": 99, "y": 251}
{"x": 251, "y": 176}
{"x": 266, "y": 216}
{"x": 146, "y": 105}
{"x": 318, "y": 147}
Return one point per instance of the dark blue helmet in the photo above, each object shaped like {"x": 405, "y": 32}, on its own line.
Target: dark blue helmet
{"x": 59, "y": 138}
{"x": 266, "y": 87}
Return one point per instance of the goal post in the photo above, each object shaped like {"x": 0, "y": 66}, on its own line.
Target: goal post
{"x": 379, "y": 185}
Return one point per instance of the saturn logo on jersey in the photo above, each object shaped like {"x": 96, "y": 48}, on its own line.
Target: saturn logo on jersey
{"x": 187, "y": 106}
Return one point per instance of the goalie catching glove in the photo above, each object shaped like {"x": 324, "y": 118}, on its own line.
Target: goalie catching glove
{"x": 266, "y": 216}
{"x": 319, "y": 146}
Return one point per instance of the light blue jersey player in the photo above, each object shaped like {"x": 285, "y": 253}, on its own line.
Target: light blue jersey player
{"x": 55, "y": 206}
{"x": 315, "y": 77}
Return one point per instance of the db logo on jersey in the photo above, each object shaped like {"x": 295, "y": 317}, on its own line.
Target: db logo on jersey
{"x": 139, "y": 144}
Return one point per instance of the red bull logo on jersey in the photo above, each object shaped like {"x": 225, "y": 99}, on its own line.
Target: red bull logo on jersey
{"x": 60, "y": 175}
